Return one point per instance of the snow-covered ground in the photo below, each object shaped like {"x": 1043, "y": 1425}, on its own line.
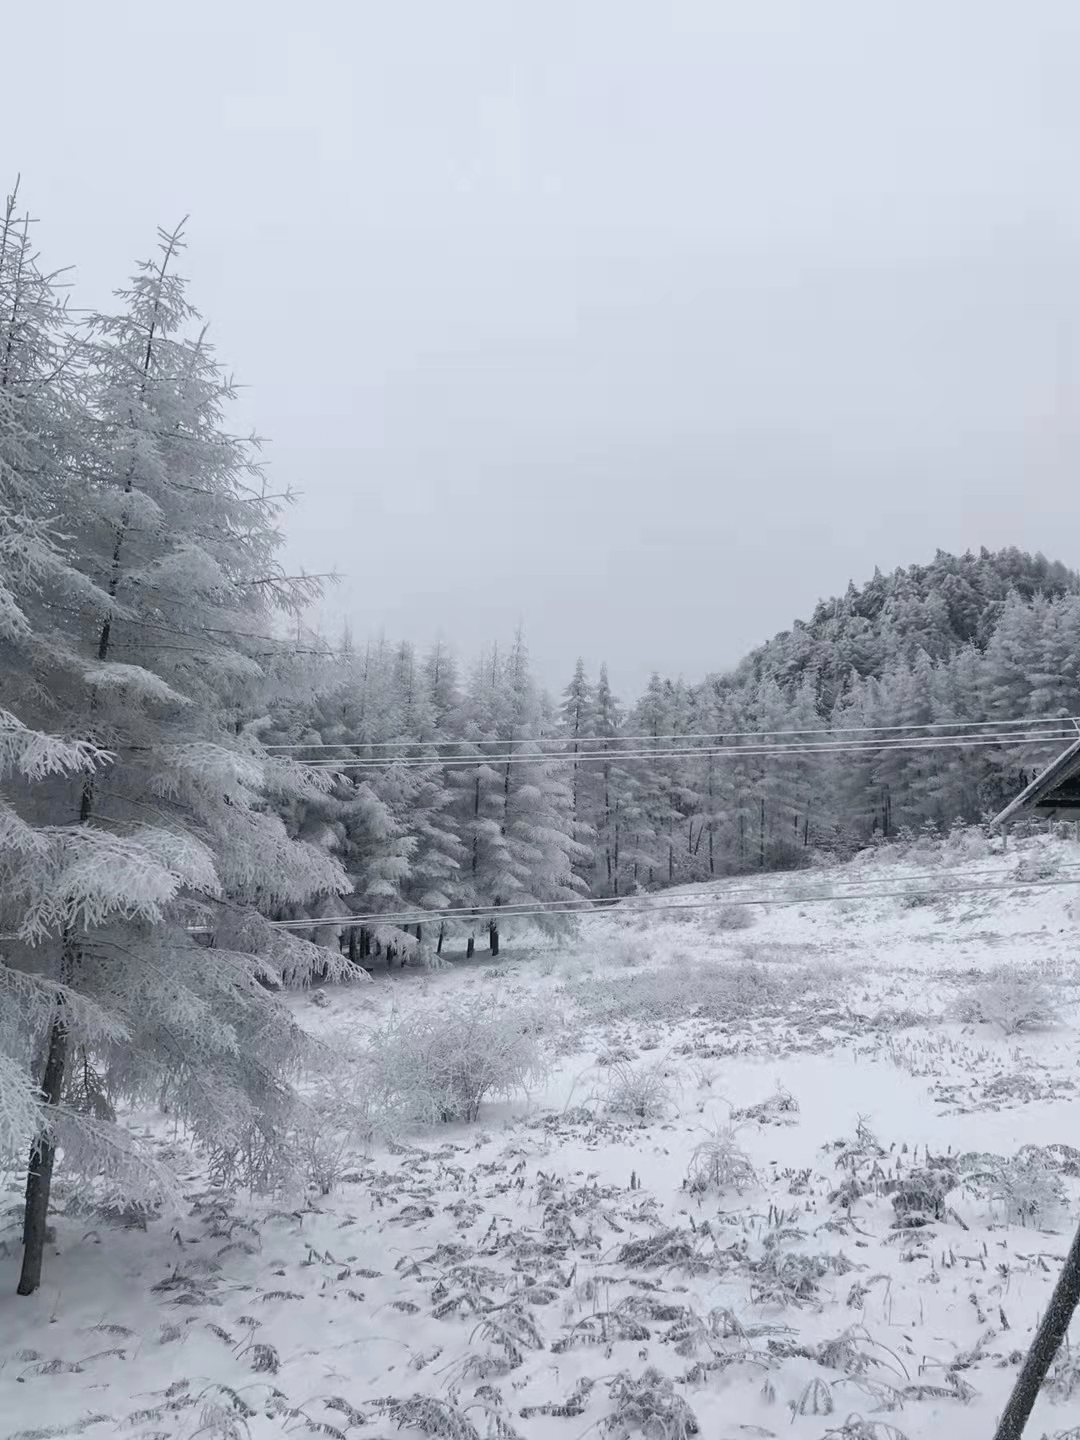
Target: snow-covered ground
{"x": 887, "y": 1187}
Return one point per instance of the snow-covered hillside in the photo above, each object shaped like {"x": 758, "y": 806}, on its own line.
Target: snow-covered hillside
{"x": 812, "y": 1173}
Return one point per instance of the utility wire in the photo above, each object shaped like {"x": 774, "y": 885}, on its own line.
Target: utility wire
{"x": 651, "y": 905}
{"x": 977, "y": 740}
{"x": 826, "y": 730}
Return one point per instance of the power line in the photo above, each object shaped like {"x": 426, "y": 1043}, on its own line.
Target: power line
{"x": 652, "y": 904}
{"x": 701, "y": 752}
{"x": 1059, "y": 720}
{"x": 633, "y": 905}
{"x": 972, "y": 741}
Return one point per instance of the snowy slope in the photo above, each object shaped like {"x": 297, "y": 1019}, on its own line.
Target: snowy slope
{"x": 548, "y": 1271}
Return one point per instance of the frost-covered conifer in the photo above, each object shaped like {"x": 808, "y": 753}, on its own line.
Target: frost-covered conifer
{"x": 147, "y": 638}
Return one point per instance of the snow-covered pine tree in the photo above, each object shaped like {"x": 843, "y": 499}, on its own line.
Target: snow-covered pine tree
{"x": 655, "y": 814}
{"x": 1010, "y": 659}
{"x": 620, "y": 863}
{"x": 956, "y": 779}
{"x": 576, "y": 720}
{"x": 424, "y": 795}
{"x": 705, "y": 722}
{"x": 512, "y": 808}
{"x": 538, "y": 810}
{"x": 686, "y": 799}
{"x": 786, "y": 775}
{"x": 150, "y": 642}
{"x": 441, "y": 677}
{"x": 477, "y": 809}
{"x": 38, "y": 416}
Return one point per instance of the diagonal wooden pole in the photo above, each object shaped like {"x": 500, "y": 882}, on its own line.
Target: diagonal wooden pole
{"x": 1044, "y": 1347}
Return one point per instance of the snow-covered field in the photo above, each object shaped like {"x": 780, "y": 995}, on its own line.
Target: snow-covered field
{"x": 779, "y": 1179}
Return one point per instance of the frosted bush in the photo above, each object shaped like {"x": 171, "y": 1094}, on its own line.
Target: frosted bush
{"x": 335, "y": 1125}
{"x": 719, "y": 990}
{"x": 914, "y": 899}
{"x": 1025, "y": 1189}
{"x": 438, "y": 1064}
{"x": 641, "y": 1091}
{"x": 966, "y": 843}
{"x": 648, "y": 1405}
{"x": 734, "y": 917}
{"x": 720, "y": 1163}
{"x": 1040, "y": 864}
{"x": 811, "y": 890}
{"x": 625, "y": 951}
{"x": 1010, "y": 997}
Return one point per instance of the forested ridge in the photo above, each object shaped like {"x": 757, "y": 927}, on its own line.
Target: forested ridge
{"x": 466, "y": 791}
{"x": 185, "y": 766}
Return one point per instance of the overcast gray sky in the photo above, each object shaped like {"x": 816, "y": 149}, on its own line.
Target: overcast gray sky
{"x": 645, "y": 323}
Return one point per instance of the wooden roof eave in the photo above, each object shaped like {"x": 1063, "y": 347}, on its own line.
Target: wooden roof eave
{"x": 1040, "y": 791}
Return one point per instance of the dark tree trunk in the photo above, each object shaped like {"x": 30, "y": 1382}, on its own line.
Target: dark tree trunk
{"x": 476, "y": 837}
{"x": 493, "y": 929}
{"x": 470, "y": 947}
{"x": 42, "y": 1158}
{"x": 442, "y": 936}
{"x": 1044, "y": 1347}
{"x": 354, "y": 946}
{"x": 712, "y": 866}
{"x": 761, "y": 837}
{"x": 43, "y": 1151}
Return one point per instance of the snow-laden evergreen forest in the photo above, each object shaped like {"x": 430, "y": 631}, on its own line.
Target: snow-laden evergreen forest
{"x": 209, "y": 810}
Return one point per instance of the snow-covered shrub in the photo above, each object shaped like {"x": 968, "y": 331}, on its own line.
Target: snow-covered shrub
{"x": 625, "y": 951}
{"x": 1010, "y": 997}
{"x": 438, "y": 1063}
{"x": 720, "y": 1163}
{"x": 252, "y": 1157}
{"x": 734, "y": 917}
{"x": 335, "y": 1125}
{"x": 641, "y": 1091}
{"x": 965, "y": 843}
{"x": 1038, "y": 864}
{"x": 776, "y": 1109}
{"x": 811, "y": 890}
{"x": 1063, "y": 1382}
{"x": 718, "y": 990}
{"x": 648, "y": 1405}
{"x": 914, "y": 898}
{"x": 921, "y": 1196}
{"x": 1026, "y": 1188}
{"x": 620, "y": 1054}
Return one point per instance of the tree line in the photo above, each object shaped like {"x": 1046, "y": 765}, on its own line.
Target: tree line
{"x": 892, "y": 710}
